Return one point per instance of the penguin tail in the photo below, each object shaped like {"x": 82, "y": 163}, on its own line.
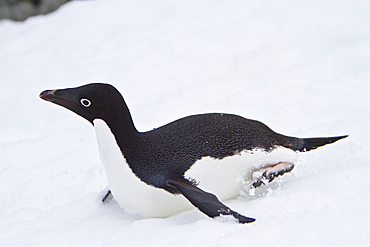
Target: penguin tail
{"x": 307, "y": 144}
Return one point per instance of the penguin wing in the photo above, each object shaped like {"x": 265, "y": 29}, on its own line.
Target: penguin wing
{"x": 206, "y": 202}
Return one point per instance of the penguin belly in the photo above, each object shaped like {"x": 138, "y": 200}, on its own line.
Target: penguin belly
{"x": 223, "y": 177}
{"x": 227, "y": 177}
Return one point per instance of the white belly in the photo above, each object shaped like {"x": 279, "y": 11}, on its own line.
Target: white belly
{"x": 224, "y": 178}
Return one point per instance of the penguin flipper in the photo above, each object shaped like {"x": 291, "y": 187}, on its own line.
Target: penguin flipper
{"x": 206, "y": 202}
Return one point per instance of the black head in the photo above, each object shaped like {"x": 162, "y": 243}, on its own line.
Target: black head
{"x": 91, "y": 101}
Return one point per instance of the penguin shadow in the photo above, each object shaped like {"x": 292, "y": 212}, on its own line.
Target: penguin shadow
{"x": 247, "y": 194}
{"x": 112, "y": 209}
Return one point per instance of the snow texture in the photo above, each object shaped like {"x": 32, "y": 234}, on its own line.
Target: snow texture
{"x": 301, "y": 67}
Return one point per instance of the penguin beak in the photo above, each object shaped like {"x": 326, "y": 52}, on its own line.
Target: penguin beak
{"x": 66, "y": 98}
{"x": 62, "y": 97}
{"x": 55, "y": 97}
{"x": 49, "y": 95}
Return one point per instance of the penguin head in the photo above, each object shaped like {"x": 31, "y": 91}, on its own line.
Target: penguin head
{"x": 91, "y": 101}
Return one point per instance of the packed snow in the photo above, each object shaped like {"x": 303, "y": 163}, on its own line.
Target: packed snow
{"x": 301, "y": 67}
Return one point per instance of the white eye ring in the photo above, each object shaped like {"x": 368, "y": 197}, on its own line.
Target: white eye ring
{"x": 85, "y": 102}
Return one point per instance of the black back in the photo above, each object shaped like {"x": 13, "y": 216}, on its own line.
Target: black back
{"x": 169, "y": 151}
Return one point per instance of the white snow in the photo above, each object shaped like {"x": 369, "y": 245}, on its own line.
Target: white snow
{"x": 301, "y": 67}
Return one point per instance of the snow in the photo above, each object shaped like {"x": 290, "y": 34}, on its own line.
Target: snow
{"x": 301, "y": 67}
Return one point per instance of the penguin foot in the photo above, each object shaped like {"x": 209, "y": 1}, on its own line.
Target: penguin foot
{"x": 107, "y": 198}
{"x": 272, "y": 172}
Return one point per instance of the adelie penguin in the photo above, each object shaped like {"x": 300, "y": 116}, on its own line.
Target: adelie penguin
{"x": 199, "y": 160}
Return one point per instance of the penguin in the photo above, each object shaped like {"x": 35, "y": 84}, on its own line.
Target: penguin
{"x": 199, "y": 160}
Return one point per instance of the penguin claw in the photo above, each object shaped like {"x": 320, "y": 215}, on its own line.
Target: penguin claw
{"x": 274, "y": 171}
{"x": 258, "y": 183}
{"x": 107, "y": 198}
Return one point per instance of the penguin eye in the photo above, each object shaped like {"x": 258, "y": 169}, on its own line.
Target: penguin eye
{"x": 85, "y": 102}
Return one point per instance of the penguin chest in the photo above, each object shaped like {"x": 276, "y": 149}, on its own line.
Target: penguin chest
{"x": 223, "y": 177}
{"x": 132, "y": 194}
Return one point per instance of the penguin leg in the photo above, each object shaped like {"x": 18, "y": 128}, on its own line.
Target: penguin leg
{"x": 272, "y": 172}
{"x": 107, "y": 198}
{"x": 206, "y": 202}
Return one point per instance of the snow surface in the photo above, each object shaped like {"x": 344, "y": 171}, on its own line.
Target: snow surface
{"x": 301, "y": 67}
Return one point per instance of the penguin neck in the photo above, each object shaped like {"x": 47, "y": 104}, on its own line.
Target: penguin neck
{"x": 122, "y": 127}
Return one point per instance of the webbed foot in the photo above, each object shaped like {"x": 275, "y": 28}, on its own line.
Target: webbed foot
{"x": 272, "y": 172}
